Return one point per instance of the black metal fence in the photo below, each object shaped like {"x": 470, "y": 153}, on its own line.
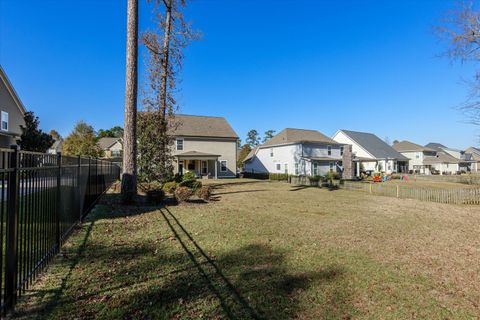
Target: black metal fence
{"x": 42, "y": 197}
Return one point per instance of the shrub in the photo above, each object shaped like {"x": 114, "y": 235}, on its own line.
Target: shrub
{"x": 170, "y": 187}
{"x": 332, "y": 175}
{"x": 192, "y": 184}
{"x": 314, "y": 178}
{"x": 278, "y": 176}
{"x": 396, "y": 176}
{"x": 252, "y": 175}
{"x": 188, "y": 176}
{"x": 204, "y": 193}
{"x": 183, "y": 193}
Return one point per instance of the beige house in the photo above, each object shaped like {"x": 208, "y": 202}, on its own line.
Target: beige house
{"x": 112, "y": 147}
{"x": 204, "y": 145}
{"x": 474, "y": 154}
{"x": 420, "y": 157}
{"x": 12, "y": 112}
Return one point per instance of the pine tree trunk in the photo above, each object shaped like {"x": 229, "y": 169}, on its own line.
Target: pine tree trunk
{"x": 129, "y": 176}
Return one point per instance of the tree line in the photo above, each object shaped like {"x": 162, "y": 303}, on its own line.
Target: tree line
{"x": 253, "y": 139}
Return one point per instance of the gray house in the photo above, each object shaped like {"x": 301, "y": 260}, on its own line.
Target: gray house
{"x": 204, "y": 145}
{"x": 12, "y": 112}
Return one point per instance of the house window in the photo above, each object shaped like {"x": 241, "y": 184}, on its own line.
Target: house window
{"x": 223, "y": 165}
{"x": 296, "y": 169}
{"x": 417, "y": 155}
{"x": 179, "y": 144}
{"x": 204, "y": 167}
{"x": 191, "y": 165}
{"x": 279, "y": 167}
{"x": 341, "y": 150}
{"x": 116, "y": 153}
{"x": 4, "y": 121}
{"x": 332, "y": 165}
{"x": 286, "y": 168}
{"x": 329, "y": 150}
{"x": 271, "y": 152}
{"x": 315, "y": 169}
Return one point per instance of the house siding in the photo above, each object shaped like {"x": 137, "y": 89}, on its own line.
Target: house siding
{"x": 264, "y": 162}
{"x": 15, "y": 117}
{"x": 226, "y": 148}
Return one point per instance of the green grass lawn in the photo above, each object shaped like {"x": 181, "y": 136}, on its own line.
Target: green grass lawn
{"x": 267, "y": 250}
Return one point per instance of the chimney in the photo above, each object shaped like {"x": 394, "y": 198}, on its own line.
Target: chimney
{"x": 347, "y": 159}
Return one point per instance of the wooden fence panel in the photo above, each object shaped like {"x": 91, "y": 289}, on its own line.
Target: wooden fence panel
{"x": 470, "y": 196}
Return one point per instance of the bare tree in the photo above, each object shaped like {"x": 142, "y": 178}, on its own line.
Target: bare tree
{"x": 461, "y": 29}
{"x": 165, "y": 45}
{"x": 129, "y": 176}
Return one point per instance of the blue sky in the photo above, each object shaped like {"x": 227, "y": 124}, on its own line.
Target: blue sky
{"x": 326, "y": 65}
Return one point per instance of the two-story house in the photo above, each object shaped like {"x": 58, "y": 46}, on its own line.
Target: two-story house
{"x": 372, "y": 153}
{"x": 475, "y": 157}
{"x": 204, "y": 145}
{"x": 420, "y": 157}
{"x": 12, "y": 112}
{"x": 112, "y": 147}
{"x": 448, "y": 160}
{"x": 296, "y": 152}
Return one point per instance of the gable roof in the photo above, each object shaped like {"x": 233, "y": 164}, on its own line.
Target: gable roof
{"x": 11, "y": 90}
{"x": 374, "y": 145}
{"x": 251, "y": 154}
{"x": 475, "y": 153}
{"x": 106, "y": 142}
{"x": 202, "y": 126}
{"x": 435, "y": 146}
{"x": 404, "y": 146}
{"x": 441, "y": 157}
{"x": 291, "y": 135}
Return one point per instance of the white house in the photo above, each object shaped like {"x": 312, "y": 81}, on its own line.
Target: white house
{"x": 417, "y": 155}
{"x": 296, "y": 152}
{"x": 370, "y": 153}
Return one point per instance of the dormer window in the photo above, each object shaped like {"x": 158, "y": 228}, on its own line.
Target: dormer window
{"x": 4, "y": 121}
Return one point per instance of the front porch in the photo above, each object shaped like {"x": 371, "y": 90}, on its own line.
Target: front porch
{"x": 203, "y": 165}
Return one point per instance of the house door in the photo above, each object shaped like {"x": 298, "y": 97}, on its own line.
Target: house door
{"x": 180, "y": 168}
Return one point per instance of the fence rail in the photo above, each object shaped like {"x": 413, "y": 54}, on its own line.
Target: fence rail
{"x": 473, "y": 178}
{"x": 470, "y": 196}
{"x": 42, "y": 198}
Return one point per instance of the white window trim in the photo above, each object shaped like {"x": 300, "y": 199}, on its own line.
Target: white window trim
{"x": 226, "y": 165}
{"x": 176, "y": 144}
{"x": 285, "y": 167}
{"x": 3, "y": 117}
{"x": 329, "y": 150}
{"x": 278, "y": 166}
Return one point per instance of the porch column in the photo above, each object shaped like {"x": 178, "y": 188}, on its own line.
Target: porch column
{"x": 358, "y": 169}
{"x": 216, "y": 165}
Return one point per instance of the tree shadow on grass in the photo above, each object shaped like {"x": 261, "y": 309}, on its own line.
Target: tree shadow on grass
{"x": 147, "y": 280}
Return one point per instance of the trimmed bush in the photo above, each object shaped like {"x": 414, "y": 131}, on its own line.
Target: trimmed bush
{"x": 188, "y": 176}
{"x": 332, "y": 175}
{"x": 170, "y": 187}
{"x": 204, "y": 193}
{"x": 251, "y": 175}
{"x": 278, "y": 176}
{"x": 314, "y": 178}
{"x": 155, "y": 196}
{"x": 183, "y": 193}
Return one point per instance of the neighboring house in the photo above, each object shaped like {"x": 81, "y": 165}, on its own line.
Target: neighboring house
{"x": 204, "y": 145}
{"x": 12, "y": 113}
{"x": 296, "y": 152}
{"x": 448, "y": 160}
{"x": 112, "y": 147}
{"x": 416, "y": 155}
{"x": 371, "y": 153}
{"x": 475, "y": 157}
{"x": 56, "y": 147}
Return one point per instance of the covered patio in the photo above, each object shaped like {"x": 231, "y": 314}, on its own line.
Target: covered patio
{"x": 202, "y": 164}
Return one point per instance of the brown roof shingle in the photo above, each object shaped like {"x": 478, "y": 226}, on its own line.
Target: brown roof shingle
{"x": 290, "y": 135}
{"x": 404, "y": 146}
{"x": 202, "y": 126}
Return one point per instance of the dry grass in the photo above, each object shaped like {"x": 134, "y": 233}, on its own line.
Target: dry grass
{"x": 268, "y": 250}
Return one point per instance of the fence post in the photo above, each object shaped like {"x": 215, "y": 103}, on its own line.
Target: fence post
{"x": 370, "y": 188}
{"x": 79, "y": 193}
{"x": 398, "y": 191}
{"x": 59, "y": 200}
{"x": 11, "y": 253}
